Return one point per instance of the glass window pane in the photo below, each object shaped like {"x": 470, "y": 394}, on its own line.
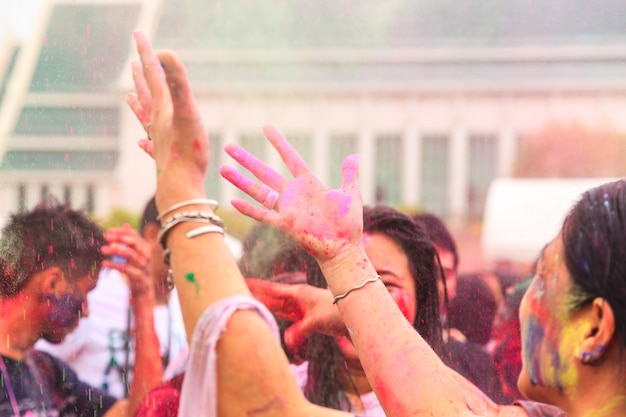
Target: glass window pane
{"x": 340, "y": 146}
{"x": 389, "y": 168}
{"x": 435, "y": 161}
{"x": 213, "y": 180}
{"x": 482, "y": 170}
{"x": 65, "y": 121}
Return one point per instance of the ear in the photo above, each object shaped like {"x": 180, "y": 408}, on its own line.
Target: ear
{"x": 600, "y": 333}
{"x": 151, "y": 232}
{"x": 52, "y": 282}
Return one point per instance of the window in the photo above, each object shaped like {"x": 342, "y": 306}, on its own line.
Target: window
{"x": 213, "y": 180}
{"x": 90, "y": 199}
{"x": 67, "y": 194}
{"x": 482, "y": 168}
{"x": 21, "y": 198}
{"x": 435, "y": 161}
{"x": 304, "y": 145}
{"x": 388, "y": 169}
{"x": 339, "y": 146}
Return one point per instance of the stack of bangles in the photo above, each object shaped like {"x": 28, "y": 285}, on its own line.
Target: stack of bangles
{"x": 211, "y": 224}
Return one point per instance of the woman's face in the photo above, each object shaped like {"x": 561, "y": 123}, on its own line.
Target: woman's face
{"x": 392, "y": 265}
{"x": 550, "y": 333}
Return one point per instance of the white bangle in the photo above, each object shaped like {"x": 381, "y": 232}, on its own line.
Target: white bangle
{"x": 211, "y": 228}
{"x": 358, "y": 287}
{"x": 211, "y": 203}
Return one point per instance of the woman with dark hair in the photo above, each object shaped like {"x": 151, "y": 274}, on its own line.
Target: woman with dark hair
{"x": 572, "y": 317}
{"x": 404, "y": 258}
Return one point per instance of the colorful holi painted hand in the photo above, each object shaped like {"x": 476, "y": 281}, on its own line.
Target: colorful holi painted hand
{"x": 177, "y": 140}
{"x": 324, "y": 221}
{"x": 309, "y": 308}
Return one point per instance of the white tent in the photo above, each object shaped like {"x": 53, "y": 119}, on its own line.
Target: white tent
{"x": 523, "y": 215}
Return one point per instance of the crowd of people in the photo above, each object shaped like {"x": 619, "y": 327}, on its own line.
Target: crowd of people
{"x": 334, "y": 308}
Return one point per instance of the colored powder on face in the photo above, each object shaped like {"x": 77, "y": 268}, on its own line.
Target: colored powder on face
{"x": 175, "y": 156}
{"x": 196, "y": 145}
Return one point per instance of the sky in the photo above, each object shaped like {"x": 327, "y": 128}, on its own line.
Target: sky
{"x": 17, "y": 17}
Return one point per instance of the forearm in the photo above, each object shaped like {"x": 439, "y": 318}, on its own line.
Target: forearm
{"x": 204, "y": 272}
{"x": 148, "y": 368}
{"x": 397, "y": 361}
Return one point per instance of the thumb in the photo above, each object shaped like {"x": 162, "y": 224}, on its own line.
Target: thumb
{"x": 296, "y": 334}
{"x": 147, "y": 146}
{"x": 350, "y": 172}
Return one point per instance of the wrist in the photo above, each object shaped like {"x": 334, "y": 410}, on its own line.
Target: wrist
{"x": 346, "y": 269}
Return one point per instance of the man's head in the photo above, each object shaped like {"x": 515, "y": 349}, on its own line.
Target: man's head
{"x": 51, "y": 255}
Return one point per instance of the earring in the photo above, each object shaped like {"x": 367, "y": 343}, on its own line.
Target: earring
{"x": 592, "y": 358}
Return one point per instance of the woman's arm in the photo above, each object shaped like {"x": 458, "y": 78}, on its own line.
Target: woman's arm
{"x": 253, "y": 376}
{"x": 408, "y": 377}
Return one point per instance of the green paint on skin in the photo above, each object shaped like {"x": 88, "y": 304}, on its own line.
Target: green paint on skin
{"x": 192, "y": 279}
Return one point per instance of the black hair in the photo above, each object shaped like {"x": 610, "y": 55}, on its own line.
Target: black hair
{"x": 594, "y": 239}
{"x": 473, "y": 310}
{"x": 268, "y": 251}
{"x": 51, "y": 234}
{"x": 150, "y": 214}
{"x": 323, "y": 386}
{"x": 438, "y": 233}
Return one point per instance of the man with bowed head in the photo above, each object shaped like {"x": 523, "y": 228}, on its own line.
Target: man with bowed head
{"x": 50, "y": 258}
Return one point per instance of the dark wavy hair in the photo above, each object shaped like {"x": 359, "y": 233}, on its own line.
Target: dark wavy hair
{"x": 325, "y": 358}
{"x": 594, "y": 239}
{"x": 51, "y": 234}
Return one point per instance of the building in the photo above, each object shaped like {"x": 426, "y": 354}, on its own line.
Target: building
{"x": 434, "y": 95}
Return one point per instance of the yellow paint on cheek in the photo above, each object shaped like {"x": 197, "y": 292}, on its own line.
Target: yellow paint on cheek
{"x": 569, "y": 350}
{"x": 609, "y": 408}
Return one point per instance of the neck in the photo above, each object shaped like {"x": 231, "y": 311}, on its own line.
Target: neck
{"x": 600, "y": 392}
{"x": 19, "y": 321}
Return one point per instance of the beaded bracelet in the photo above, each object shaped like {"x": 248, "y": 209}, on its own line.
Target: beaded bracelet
{"x": 358, "y": 287}
{"x": 187, "y": 216}
{"x": 211, "y": 203}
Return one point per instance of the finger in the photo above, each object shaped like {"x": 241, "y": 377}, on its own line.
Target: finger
{"x": 280, "y": 299}
{"x": 252, "y": 188}
{"x": 257, "y": 167}
{"x": 133, "y": 102}
{"x": 178, "y": 83}
{"x": 350, "y": 172}
{"x": 147, "y": 146}
{"x": 151, "y": 67}
{"x": 296, "y": 334}
{"x": 292, "y": 159}
{"x": 254, "y": 212}
{"x": 143, "y": 92}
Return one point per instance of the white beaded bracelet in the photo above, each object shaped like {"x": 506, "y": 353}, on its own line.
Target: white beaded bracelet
{"x": 211, "y": 203}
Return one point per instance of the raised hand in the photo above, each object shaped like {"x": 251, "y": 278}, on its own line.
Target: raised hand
{"x": 324, "y": 221}
{"x": 164, "y": 105}
{"x": 132, "y": 255}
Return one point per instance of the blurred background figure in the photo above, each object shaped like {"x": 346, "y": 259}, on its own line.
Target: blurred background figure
{"x": 101, "y": 349}
{"x": 268, "y": 253}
